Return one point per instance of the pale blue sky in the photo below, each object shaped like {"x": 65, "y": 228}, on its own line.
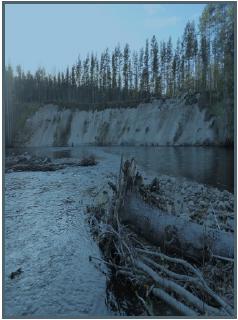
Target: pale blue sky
{"x": 53, "y": 35}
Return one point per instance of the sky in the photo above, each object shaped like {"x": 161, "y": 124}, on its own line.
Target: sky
{"x": 53, "y": 35}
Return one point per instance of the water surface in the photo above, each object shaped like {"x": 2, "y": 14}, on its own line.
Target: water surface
{"x": 208, "y": 165}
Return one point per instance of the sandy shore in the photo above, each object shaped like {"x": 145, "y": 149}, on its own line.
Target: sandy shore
{"x": 47, "y": 236}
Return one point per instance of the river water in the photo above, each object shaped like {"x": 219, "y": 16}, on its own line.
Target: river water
{"x": 208, "y": 165}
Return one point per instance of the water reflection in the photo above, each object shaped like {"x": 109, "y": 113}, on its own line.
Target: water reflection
{"x": 209, "y": 165}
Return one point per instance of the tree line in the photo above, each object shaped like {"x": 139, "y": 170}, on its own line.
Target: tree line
{"x": 201, "y": 61}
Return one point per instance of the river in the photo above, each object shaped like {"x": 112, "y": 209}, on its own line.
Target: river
{"x": 208, "y": 165}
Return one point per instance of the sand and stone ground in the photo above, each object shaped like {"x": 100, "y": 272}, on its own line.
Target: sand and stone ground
{"x": 47, "y": 235}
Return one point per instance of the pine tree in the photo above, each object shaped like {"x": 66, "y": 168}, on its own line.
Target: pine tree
{"x": 145, "y": 73}
{"x": 119, "y": 63}
{"x": 73, "y": 83}
{"x": 135, "y": 67}
{"x": 141, "y": 63}
{"x": 201, "y": 62}
{"x": 78, "y": 77}
{"x": 155, "y": 85}
{"x": 92, "y": 77}
{"x": 163, "y": 60}
{"x": 169, "y": 56}
{"x": 67, "y": 85}
{"x": 126, "y": 55}
{"x": 108, "y": 84}
{"x": 114, "y": 72}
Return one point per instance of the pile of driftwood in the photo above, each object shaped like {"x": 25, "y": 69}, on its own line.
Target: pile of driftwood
{"x": 176, "y": 279}
{"x": 27, "y": 162}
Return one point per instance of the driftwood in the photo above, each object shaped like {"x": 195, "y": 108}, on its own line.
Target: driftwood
{"x": 174, "y": 233}
{"x": 35, "y": 167}
{"x": 48, "y": 166}
{"x": 180, "y": 290}
{"x": 174, "y": 280}
{"x": 27, "y": 162}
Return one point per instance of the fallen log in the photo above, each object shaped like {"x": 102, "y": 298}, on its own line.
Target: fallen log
{"x": 173, "y": 233}
{"x": 184, "y": 289}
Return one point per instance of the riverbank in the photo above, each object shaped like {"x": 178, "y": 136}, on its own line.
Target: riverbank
{"x": 162, "y": 122}
{"x": 125, "y": 252}
{"x": 196, "y": 202}
{"x": 47, "y": 236}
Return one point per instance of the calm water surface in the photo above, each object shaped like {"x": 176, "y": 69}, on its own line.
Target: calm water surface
{"x": 209, "y": 165}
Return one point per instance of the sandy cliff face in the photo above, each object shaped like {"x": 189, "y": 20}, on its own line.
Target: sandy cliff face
{"x": 158, "y": 123}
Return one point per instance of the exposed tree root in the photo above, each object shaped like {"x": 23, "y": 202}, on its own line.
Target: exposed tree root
{"x": 169, "y": 285}
{"x": 175, "y": 281}
{"x": 174, "y": 303}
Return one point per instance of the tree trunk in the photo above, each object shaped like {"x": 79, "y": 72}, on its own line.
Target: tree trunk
{"x": 175, "y": 234}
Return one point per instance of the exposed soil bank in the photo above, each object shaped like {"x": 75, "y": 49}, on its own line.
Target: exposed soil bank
{"x": 170, "y": 122}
